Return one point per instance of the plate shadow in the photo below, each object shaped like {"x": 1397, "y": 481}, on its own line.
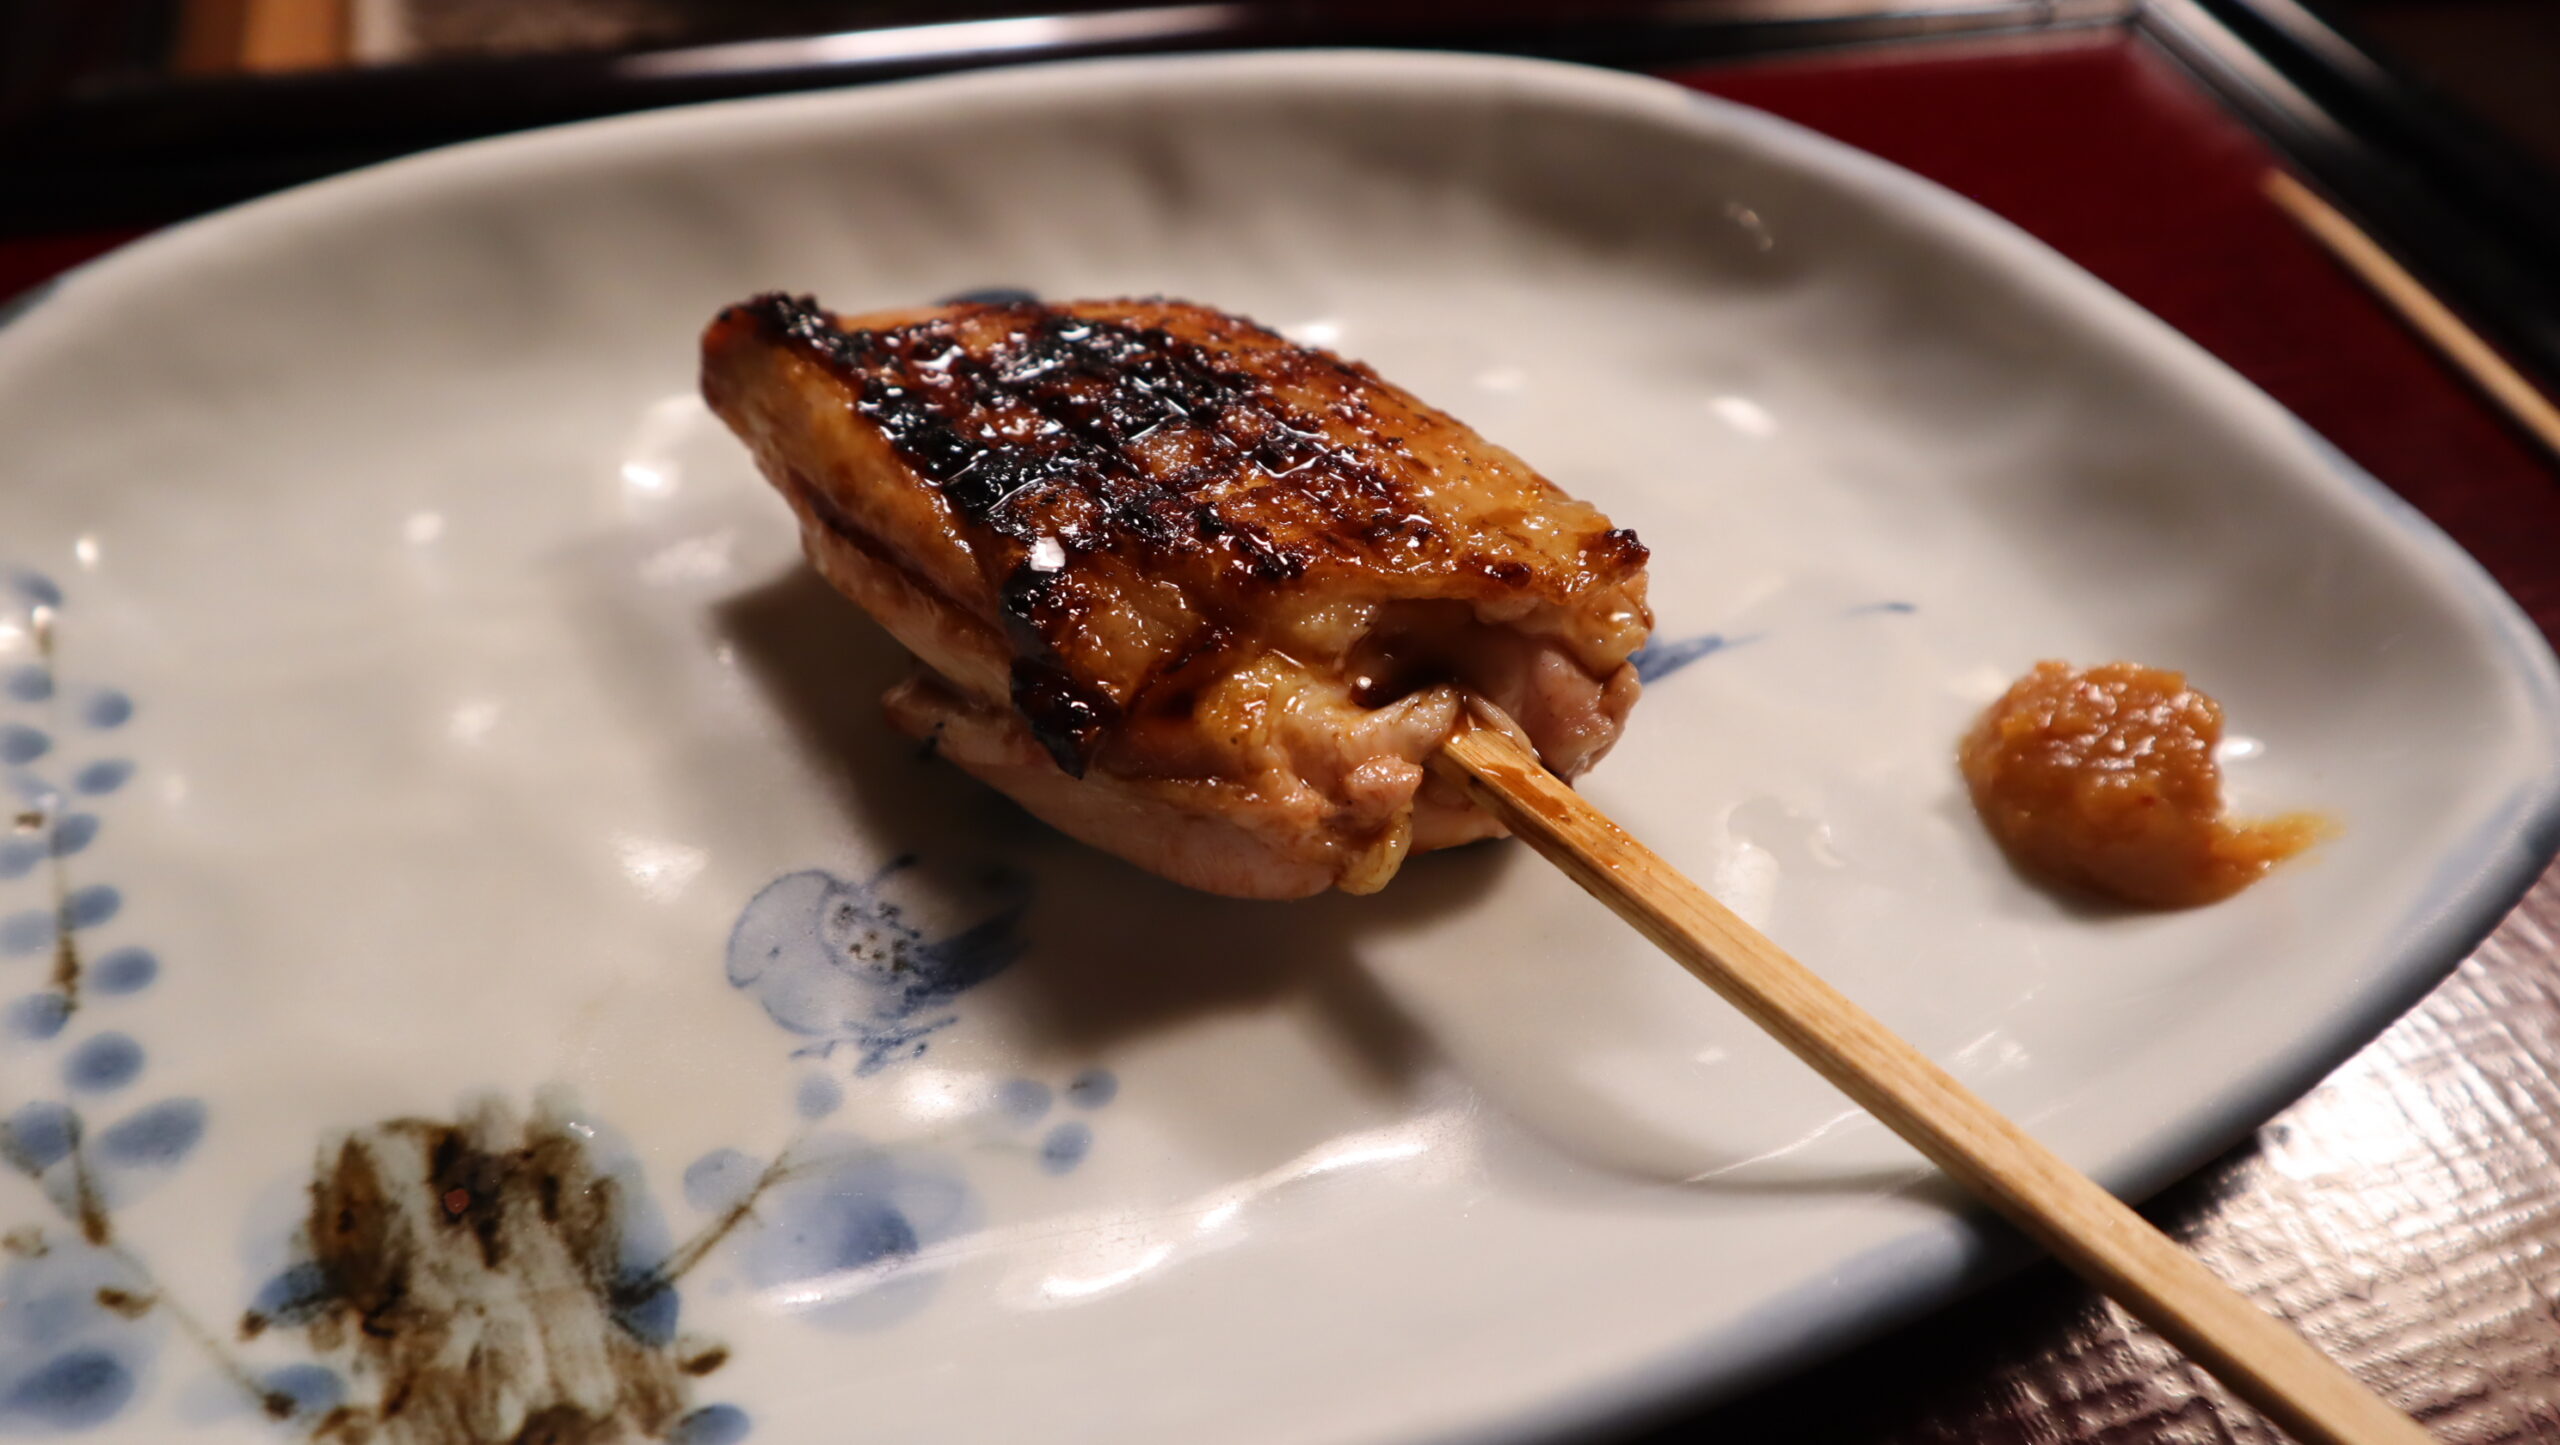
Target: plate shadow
{"x": 1117, "y": 952}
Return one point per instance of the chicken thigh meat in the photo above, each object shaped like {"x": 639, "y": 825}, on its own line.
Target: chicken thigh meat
{"x": 1193, "y": 594}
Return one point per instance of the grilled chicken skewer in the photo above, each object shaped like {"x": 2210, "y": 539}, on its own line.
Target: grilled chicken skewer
{"x": 1196, "y": 595}
{"x": 1253, "y": 618}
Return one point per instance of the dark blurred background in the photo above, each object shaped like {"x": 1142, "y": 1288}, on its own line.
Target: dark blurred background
{"x": 2499, "y": 59}
{"x": 132, "y": 111}
{"x": 2436, "y": 123}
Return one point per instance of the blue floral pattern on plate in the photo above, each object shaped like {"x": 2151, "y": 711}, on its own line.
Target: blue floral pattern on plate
{"x": 78, "y": 1328}
{"x": 839, "y": 963}
{"x": 506, "y": 1274}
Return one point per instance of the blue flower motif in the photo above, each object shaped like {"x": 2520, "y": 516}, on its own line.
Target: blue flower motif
{"x": 104, "y": 1062}
{"x": 19, "y": 856}
{"x": 38, "y": 1016}
{"x": 126, "y": 970}
{"x": 711, "y": 1425}
{"x": 20, "y": 743}
{"x": 720, "y": 1180}
{"x": 298, "y": 1295}
{"x": 311, "y": 1390}
{"x": 840, "y": 1234}
{"x": 78, "y": 1326}
{"x": 74, "y": 1390}
{"x": 1093, "y": 1088}
{"x": 644, "y": 1304}
{"x": 38, "y": 1136}
{"x": 1657, "y": 660}
{"x": 88, "y": 907}
{"x": 1066, "y": 1146}
{"x": 837, "y": 962}
{"x": 35, "y": 587}
{"x": 154, "y": 1136}
{"x": 818, "y": 1097}
{"x": 67, "y": 1360}
{"x": 34, "y": 930}
{"x": 73, "y": 833}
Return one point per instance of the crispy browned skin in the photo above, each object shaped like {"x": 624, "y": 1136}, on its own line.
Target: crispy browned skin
{"x": 1147, "y": 525}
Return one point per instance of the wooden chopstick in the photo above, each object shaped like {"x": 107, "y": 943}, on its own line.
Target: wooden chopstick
{"x": 2418, "y": 306}
{"x": 263, "y": 36}
{"x": 2260, "y": 1358}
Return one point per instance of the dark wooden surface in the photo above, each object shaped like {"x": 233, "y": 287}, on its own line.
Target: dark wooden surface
{"x": 2407, "y": 1212}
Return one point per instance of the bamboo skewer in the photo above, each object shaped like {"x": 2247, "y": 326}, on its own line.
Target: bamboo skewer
{"x": 2418, "y": 306}
{"x": 2083, "y": 1225}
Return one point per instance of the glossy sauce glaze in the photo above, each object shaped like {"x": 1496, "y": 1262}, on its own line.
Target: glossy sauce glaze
{"x": 1187, "y": 590}
{"x": 1090, "y": 455}
{"x": 2105, "y": 780}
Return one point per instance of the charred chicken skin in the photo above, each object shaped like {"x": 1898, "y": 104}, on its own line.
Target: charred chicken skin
{"x": 1191, "y": 593}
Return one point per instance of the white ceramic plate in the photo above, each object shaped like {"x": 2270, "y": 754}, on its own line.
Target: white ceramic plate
{"x": 438, "y": 727}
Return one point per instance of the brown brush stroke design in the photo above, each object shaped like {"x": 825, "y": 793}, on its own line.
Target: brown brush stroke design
{"x": 476, "y": 1279}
